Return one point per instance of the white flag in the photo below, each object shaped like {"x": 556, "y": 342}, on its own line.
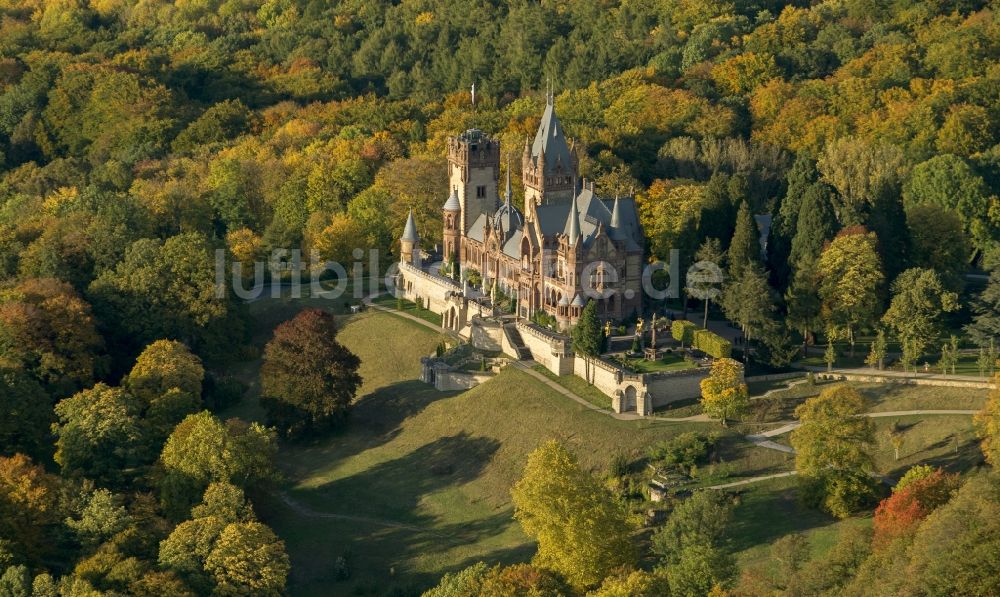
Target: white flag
{"x": 473, "y": 94}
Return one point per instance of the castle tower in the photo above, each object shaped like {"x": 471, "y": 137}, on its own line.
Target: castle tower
{"x": 409, "y": 243}
{"x": 451, "y": 217}
{"x": 548, "y": 165}
{"x": 473, "y": 174}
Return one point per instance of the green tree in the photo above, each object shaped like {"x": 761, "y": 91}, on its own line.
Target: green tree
{"x": 704, "y": 283}
{"x": 25, "y": 415}
{"x": 860, "y": 171}
{"x": 100, "y": 517}
{"x": 803, "y": 305}
{"x": 202, "y": 450}
{"x": 878, "y": 352}
{"x": 693, "y": 546}
{"x": 167, "y": 378}
{"x": 99, "y": 434}
{"x": 748, "y": 300}
{"x": 949, "y": 356}
{"x": 938, "y": 242}
{"x": 163, "y": 289}
{"x": 832, "y": 447}
{"x": 815, "y": 226}
{"x": 308, "y": 379}
{"x": 850, "y": 277}
{"x": 744, "y": 249}
{"x": 223, "y": 550}
{"x": 582, "y": 532}
{"x": 985, "y": 326}
{"x": 949, "y": 182}
{"x": 918, "y": 303}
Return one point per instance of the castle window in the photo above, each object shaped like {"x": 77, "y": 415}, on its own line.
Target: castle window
{"x": 481, "y": 192}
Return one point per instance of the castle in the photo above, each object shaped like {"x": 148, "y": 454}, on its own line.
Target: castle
{"x": 567, "y": 247}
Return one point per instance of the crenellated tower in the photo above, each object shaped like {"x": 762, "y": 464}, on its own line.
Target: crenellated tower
{"x": 473, "y": 174}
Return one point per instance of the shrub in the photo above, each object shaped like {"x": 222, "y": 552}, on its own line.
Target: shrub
{"x": 683, "y": 451}
{"x": 712, "y": 344}
{"x": 683, "y": 331}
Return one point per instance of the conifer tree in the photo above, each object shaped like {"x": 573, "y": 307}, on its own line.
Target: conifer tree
{"x": 816, "y": 224}
{"x": 745, "y": 246}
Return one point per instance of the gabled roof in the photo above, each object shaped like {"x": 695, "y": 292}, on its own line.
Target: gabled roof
{"x": 551, "y": 140}
{"x": 593, "y": 212}
{"x": 410, "y": 230}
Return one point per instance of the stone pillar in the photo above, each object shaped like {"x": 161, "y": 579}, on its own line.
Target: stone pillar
{"x": 643, "y": 404}
{"x": 616, "y": 401}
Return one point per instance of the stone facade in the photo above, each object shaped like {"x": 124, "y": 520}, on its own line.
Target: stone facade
{"x": 567, "y": 246}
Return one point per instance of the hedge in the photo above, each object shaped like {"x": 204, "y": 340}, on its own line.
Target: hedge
{"x": 712, "y": 344}
{"x": 683, "y": 331}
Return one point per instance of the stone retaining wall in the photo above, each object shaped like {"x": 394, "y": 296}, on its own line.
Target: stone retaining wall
{"x": 980, "y": 384}
{"x": 547, "y": 348}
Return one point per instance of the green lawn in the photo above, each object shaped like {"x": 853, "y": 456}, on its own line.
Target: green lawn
{"x": 668, "y": 362}
{"x": 426, "y": 475}
{"x": 770, "y": 510}
{"x": 410, "y": 307}
{"x": 578, "y": 386}
{"x": 418, "y": 483}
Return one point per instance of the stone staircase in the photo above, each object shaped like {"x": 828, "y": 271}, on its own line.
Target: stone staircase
{"x": 515, "y": 340}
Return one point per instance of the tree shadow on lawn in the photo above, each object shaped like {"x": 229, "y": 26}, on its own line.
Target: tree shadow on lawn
{"x": 767, "y": 513}
{"x": 962, "y": 456}
{"x": 395, "y": 488}
{"x": 373, "y": 420}
{"x": 380, "y": 528}
{"x": 383, "y": 410}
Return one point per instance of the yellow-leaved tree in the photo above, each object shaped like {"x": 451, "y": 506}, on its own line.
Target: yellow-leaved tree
{"x": 988, "y": 426}
{"x": 582, "y": 532}
{"x": 832, "y": 448}
{"x": 723, "y": 393}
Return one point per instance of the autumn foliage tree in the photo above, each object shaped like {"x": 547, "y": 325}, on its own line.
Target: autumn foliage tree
{"x": 308, "y": 379}
{"x": 832, "y": 450}
{"x": 899, "y": 514}
{"x": 582, "y": 532}
{"x": 723, "y": 394}
{"x": 49, "y": 331}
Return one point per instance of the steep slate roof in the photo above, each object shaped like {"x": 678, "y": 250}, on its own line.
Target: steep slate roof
{"x": 410, "y": 231}
{"x": 550, "y": 139}
{"x": 553, "y": 218}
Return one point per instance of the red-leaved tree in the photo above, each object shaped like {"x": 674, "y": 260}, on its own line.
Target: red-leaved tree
{"x": 308, "y": 379}
{"x": 899, "y": 514}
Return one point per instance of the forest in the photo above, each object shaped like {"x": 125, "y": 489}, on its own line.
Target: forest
{"x": 137, "y": 138}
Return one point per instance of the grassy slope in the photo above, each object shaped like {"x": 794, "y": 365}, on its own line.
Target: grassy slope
{"x": 440, "y": 463}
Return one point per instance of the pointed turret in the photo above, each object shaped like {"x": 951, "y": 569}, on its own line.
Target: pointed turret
{"x": 616, "y": 220}
{"x": 410, "y": 230}
{"x": 573, "y": 224}
{"x": 409, "y": 242}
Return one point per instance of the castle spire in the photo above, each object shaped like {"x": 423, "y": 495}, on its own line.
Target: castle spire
{"x": 508, "y": 193}
{"x": 573, "y": 224}
{"x": 410, "y": 230}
